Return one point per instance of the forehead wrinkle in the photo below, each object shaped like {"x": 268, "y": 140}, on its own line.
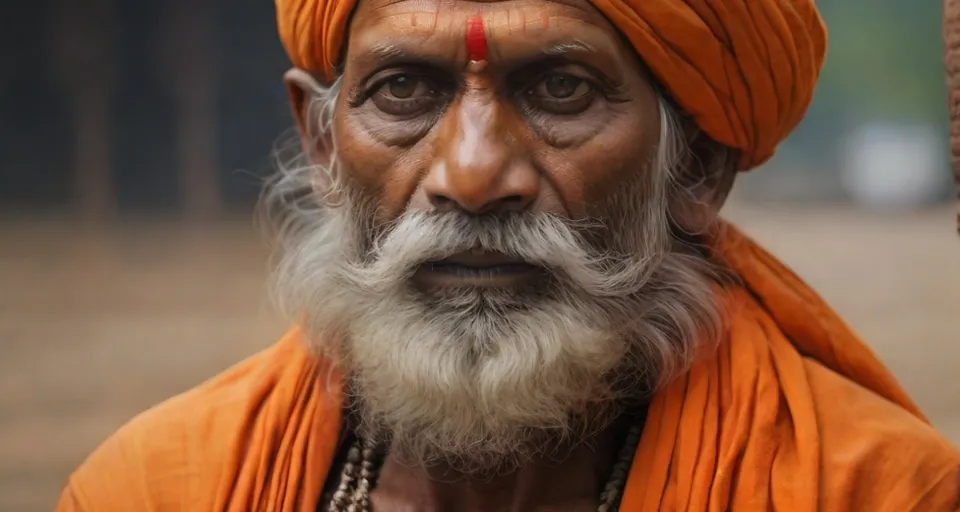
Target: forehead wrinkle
{"x": 380, "y": 10}
{"x": 583, "y": 5}
{"x": 501, "y": 31}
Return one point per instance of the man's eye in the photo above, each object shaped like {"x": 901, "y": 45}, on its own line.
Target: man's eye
{"x": 562, "y": 94}
{"x": 405, "y": 95}
{"x": 562, "y": 86}
{"x": 404, "y": 87}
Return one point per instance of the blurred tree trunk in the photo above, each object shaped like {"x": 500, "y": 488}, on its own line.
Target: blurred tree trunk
{"x": 189, "y": 65}
{"x": 951, "y": 36}
{"x": 85, "y": 62}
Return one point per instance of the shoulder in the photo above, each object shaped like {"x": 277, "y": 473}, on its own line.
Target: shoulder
{"x": 876, "y": 455}
{"x": 182, "y": 450}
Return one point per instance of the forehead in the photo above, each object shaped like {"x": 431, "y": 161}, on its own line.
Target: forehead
{"x": 511, "y": 25}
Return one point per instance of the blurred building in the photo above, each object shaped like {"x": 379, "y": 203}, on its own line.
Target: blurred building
{"x": 138, "y": 105}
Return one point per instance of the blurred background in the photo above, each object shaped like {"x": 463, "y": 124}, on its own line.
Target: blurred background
{"x": 135, "y": 135}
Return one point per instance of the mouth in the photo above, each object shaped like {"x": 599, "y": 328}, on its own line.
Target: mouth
{"x": 476, "y": 268}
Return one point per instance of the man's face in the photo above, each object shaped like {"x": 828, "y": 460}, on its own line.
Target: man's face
{"x": 499, "y": 267}
{"x": 559, "y": 118}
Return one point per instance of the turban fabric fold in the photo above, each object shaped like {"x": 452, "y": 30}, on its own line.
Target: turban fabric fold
{"x": 745, "y": 70}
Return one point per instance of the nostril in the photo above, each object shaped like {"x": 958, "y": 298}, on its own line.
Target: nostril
{"x": 513, "y": 203}
{"x": 441, "y": 201}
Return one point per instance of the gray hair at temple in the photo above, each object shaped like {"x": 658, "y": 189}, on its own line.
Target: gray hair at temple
{"x": 526, "y": 371}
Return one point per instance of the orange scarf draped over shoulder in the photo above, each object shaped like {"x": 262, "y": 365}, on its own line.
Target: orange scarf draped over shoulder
{"x": 791, "y": 412}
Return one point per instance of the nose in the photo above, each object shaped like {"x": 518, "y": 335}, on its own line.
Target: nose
{"x": 478, "y": 168}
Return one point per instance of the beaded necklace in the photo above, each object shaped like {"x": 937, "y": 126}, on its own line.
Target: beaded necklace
{"x": 361, "y": 468}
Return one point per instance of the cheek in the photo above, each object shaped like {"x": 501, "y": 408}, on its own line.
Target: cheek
{"x": 589, "y": 174}
{"x": 387, "y": 175}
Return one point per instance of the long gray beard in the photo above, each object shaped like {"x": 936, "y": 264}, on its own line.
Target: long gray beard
{"x": 484, "y": 379}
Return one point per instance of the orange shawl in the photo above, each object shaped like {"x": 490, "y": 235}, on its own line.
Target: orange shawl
{"x": 792, "y": 412}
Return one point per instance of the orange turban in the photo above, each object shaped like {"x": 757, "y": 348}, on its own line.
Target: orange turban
{"x": 744, "y": 69}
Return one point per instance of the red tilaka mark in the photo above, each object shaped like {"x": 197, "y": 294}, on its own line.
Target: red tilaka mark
{"x": 476, "y": 39}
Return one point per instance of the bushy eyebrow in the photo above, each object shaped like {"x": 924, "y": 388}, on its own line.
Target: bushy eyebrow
{"x": 574, "y": 46}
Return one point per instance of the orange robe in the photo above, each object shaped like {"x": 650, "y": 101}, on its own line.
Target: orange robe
{"x": 791, "y": 413}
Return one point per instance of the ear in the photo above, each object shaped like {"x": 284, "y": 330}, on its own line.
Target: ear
{"x": 707, "y": 176}
{"x": 718, "y": 171}
{"x": 302, "y": 88}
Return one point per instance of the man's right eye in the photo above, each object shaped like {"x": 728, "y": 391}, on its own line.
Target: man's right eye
{"x": 406, "y": 95}
{"x": 404, "y": 87}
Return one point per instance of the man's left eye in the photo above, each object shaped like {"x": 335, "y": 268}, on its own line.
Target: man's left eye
{"x": 562, "y": 86}
{"x": 561, "y": 94}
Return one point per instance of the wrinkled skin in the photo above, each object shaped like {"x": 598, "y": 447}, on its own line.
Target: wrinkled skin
{"x": 556, "y": 122}
{"x": 503, "y": 132}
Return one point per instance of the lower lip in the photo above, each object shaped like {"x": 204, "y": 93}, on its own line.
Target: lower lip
{"x": 452, "y": 275}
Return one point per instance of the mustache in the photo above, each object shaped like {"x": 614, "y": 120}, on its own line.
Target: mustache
{"x": 554, "y": 243}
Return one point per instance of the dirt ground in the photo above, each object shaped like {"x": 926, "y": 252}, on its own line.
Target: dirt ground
{"x": 97, "y": 325}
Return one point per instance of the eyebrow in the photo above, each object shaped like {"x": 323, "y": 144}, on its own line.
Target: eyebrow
{"x": 575, "y": 46}
{"x": 604, "y": 59}
{"x": 381, "y": 52}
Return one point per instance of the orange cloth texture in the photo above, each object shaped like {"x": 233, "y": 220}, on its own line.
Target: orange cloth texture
{"x": 792, "y": 412}
{"x": 745, "y": 70}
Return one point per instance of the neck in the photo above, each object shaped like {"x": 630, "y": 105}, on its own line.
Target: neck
{"x": 572, "y": 481}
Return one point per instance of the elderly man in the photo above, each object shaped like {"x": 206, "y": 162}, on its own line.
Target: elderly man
{"x": 499, "y": 243}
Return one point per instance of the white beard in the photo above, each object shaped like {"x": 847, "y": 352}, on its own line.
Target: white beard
{"x": 484, "y": 379}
